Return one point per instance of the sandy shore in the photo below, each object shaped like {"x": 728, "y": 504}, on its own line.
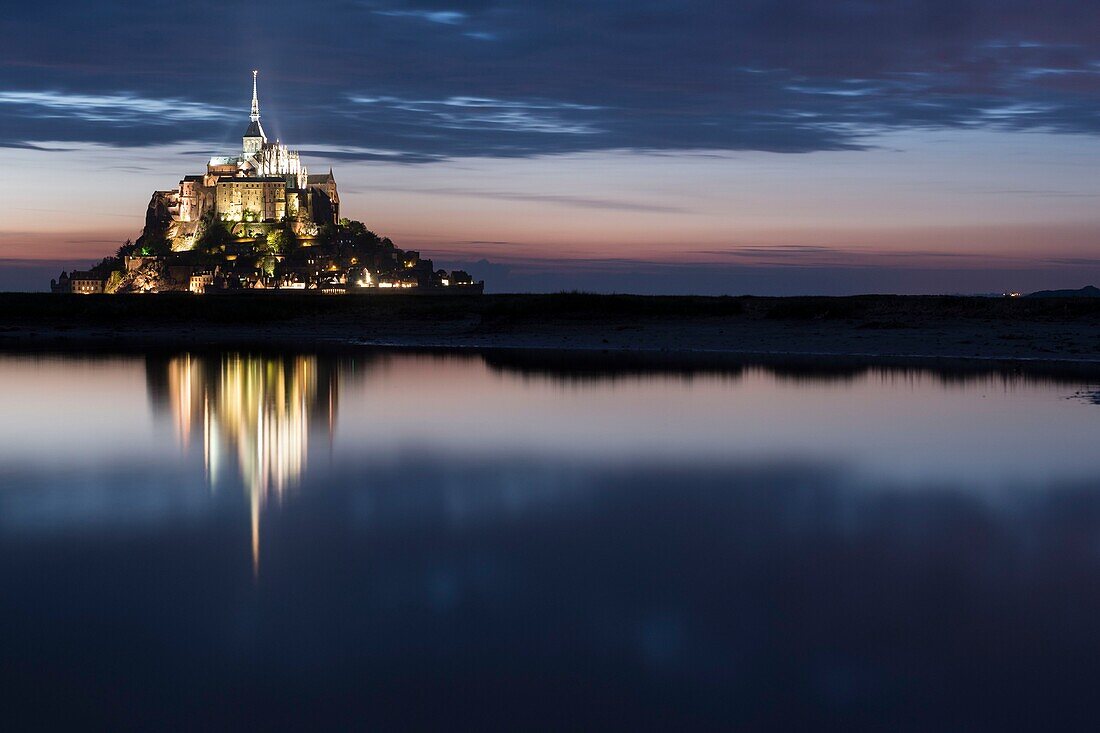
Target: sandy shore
{"x": 871, "y": 328}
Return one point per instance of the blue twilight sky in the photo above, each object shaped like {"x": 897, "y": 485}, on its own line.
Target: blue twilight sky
{"x": 782, "y": 146}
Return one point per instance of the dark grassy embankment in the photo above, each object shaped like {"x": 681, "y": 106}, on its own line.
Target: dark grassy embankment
{"x": 265, "y": 308}
{"x": 253, "y": 308}
{"x": 878, "y": 326}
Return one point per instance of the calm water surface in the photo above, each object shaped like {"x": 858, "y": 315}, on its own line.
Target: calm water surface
{"x": 411, "y": 541}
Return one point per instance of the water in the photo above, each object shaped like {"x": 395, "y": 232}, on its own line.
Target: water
{"x": 422, "y": 541}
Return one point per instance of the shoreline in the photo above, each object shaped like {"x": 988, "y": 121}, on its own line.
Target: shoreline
{"x": 579, "y": 361}
{"x": 929, "y": 332}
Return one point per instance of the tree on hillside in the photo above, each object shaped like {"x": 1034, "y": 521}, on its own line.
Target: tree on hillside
{"x": 327, "y": 234}
{"x": 105, "y": 266}
{"x": 215, "y": 235}
{"x": 155, "y": 245}
{"x": 277, "y": 241}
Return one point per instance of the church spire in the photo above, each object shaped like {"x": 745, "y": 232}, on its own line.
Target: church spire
{"x": 254, "y": 137}
{"x": 255, "y": 116}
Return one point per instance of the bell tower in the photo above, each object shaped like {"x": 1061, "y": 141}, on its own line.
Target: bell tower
{"x": 254, "y": 137}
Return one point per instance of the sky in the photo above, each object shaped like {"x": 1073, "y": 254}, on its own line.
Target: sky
{"x": 652, "y": 146}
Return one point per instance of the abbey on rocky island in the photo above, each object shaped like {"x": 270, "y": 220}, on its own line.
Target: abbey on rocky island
{"x": 258, "y": 220}
{"x": 264, "y": 185}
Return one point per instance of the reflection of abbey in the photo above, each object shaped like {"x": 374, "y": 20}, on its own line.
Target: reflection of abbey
{"x": 265, "y": 183}
{"x": 257, "y": 220}
{"x": 253, "y": 416}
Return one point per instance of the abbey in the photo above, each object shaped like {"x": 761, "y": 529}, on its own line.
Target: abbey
{"x": 258, "y": 221}
{"x": 265, "y": 183}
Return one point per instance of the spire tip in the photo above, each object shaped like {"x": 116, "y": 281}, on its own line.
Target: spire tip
{"x": 255, "y": 115}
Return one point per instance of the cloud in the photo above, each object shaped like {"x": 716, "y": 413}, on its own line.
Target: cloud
{"x": 358, "y": 152}
{"x": 37, "y": 146}
{"x": 113, "y": 108}
{"x": 492, "y": 115}
{"x": 1074, "y": 261}
{"x": 584, "y": 202}
{"x": 559, "y": 76}
{"x": 445, "y": 17}
{"x": 802, "y": 255}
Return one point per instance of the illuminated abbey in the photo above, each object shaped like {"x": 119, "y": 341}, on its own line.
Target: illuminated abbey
{"x": 264, "y": 183}
{"x": 257, "y": 220}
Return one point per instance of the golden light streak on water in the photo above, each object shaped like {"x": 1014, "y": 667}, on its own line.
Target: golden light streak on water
{"x": 256, "y": 411}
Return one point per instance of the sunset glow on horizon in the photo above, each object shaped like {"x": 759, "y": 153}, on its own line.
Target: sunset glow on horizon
{"x": 910, "y": 164}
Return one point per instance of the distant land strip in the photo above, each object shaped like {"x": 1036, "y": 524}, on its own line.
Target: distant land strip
{"x": 872, "y": 328}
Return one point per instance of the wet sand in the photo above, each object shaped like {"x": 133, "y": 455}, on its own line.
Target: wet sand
{"x": 872, "y": 329}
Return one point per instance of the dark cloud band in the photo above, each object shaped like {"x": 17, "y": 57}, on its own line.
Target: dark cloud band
{"x": 415, "y": 81}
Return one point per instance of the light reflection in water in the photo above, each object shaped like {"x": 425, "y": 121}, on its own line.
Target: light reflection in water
{"x": 544, "y": 544}
{"x": 256, "y": 411}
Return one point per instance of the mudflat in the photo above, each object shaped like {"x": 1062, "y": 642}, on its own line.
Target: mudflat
{"x": 872, "y": 327}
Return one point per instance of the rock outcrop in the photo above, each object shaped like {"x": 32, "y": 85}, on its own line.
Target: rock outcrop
{"x": 146, "y": 277}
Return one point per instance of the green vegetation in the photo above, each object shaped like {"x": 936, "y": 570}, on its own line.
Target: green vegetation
{"x": 114, "y": 280}
{"x": 353, "y": 236}
{"x": 267, "y": 264}
{"x": 156, "y": 245}
{"x": 237, "y": 255}
{"x": 278, "y": 241}
{"x": 106, "y": 266}
{"x": 215, "y": 235}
